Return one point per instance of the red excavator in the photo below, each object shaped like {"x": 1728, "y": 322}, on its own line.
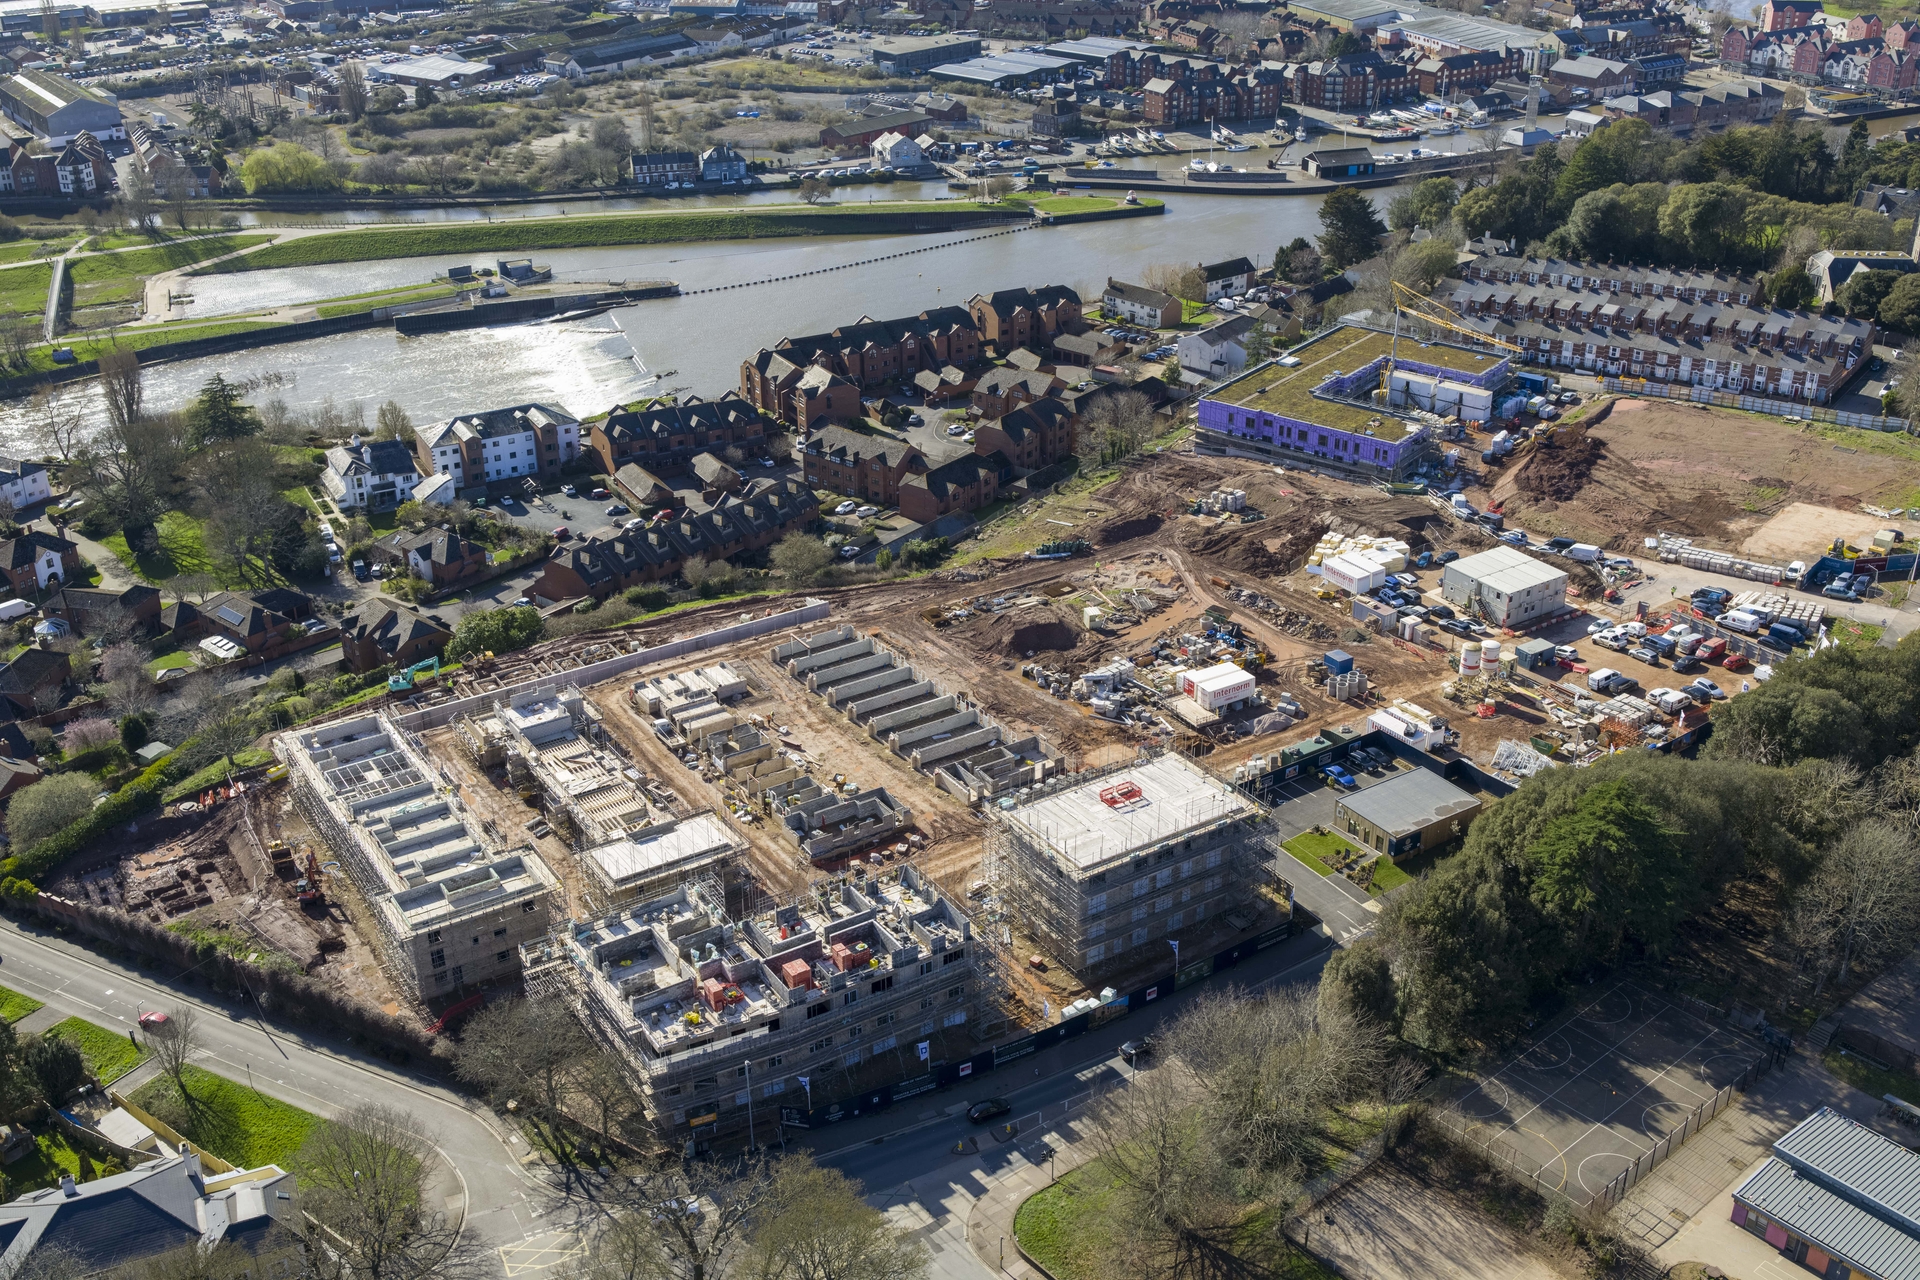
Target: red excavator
{"x": 308, "y": 889}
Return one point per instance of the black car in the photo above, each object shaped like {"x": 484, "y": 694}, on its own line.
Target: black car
{"x": 1134, "y": 1050}
{"x": 981, "y": 1112}
{"x": 1439, "y": 612}
{"x": 1687, "y": 662}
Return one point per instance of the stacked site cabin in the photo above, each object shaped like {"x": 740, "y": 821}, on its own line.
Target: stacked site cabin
{"x": 1838, "y": 1199}
{"x": 449, "y": 907}
{"x": 719, "y": 1017}
{"x": 1505, "y": 587}
{"x": 1101, "y": 864}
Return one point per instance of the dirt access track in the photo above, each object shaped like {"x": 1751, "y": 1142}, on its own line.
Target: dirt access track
{"x": 1635, "y": 468}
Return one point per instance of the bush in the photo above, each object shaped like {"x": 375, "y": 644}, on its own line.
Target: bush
{"x": 133, "y": 734}
{"x": 67, "y": 839}
{"x": 647, "y": 599}
{"x": 49, "y": 806}
{"x": 498, "y": 630}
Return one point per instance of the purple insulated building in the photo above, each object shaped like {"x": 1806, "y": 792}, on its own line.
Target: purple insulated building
{"x": 1318, "y": 404}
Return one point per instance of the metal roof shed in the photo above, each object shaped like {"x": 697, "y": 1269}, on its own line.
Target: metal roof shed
{"x": 1837, "y": 1188}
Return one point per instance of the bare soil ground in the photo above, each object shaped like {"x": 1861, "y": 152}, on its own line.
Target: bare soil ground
{"x": 1802, "y": 528}
{"x": 1636, "y": 467}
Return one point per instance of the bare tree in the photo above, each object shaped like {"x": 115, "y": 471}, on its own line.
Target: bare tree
{"x": 123, "y": 669}
{"x": 353, "y": 91}
{"x": 1862, "y": 901}
{"x": 56, "y": 418}
{"x": 814, "y": 1225}
{"x": 174, "y": 1042}
{"x": 526, "y": 1050}
{"x": 1115, "y": 426}
{"x": 366, "y": 1211}
{"x": 701, "y": 1212}
{"x": 226, "y": 727}
{"x": 1178, "y": 279}
{"x": 138, "y": 199}
{"x": 121, "y": 386}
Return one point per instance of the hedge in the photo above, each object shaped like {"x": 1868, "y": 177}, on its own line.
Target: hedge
{"x": 122, "y": 807}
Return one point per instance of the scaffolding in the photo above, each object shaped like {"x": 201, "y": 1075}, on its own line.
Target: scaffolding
{"x": 1125, "y": 856}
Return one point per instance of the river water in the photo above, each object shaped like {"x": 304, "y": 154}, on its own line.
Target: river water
{"x": 695, "y": 344}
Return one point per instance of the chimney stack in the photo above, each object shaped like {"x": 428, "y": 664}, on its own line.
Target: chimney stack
{"x": 66, "y": 1186}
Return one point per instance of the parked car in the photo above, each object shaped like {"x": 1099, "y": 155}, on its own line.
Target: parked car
{"x": 1339, "y": 777}
{"x": 846, "y": 508}
{"x": 569, "y": 491}
{"x": 360, "y": 570}
{"x": 1446, "y": 557}
{"x": 599, "y": 495}
{"x": 562, "y": 533}
{"x": 619, "y": 509}
{"x": 1709, "y": 688}
{"x": 992, "y": 1108}
{"x": 1643, "y": 654}
{"x": 867, "y": 513}
{"x": 1688, "y": 662}
{"x": 1134, "y": 1050}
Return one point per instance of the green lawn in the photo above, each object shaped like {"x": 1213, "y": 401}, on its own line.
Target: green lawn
{"x": 526, "y": 235}
{"x": 1315, "y": 850}
{"x": 134, "y": 339}
{"x": 1059, "y": 1225}
{"x": 216, "y": 773}
{"x": 53, "y": 1156}
{"x": 25, "y": 250}
{"x": 183, "y": 549}
{"x": 14, "y": 1006}
{"x": 240, "y": 1125}
{"x": 168, "y": 661}
{"x": 1386, "y": 878}
{"x": 388, "y": 298}
{"x": 109, "y": 1054}
{"x": 116, "y": 277}
{"x": 24, "y": 289}
{"x": 1073, "y": 204}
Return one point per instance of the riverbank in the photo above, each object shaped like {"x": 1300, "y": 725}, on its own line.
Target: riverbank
{"x": 456, "y": 240}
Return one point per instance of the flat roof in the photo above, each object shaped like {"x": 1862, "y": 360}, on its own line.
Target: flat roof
{"x": 914, "y": 44}
{"x": 651, "y": 850}
{"x": 1288, "y": 391}
{"x": 434, "y": 66}
{"x": 1507, "y": 570}
{"x": 1410, "y": 801}
{"x": 1176, "y": 796}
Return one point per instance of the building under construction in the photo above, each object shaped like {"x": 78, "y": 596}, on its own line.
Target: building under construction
{"x": 1097, "y": 865}
{"x": 863, "y": 980}
{"x": 450, "y": 907}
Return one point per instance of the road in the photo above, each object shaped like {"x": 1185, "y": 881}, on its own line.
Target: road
{"x": 926, "y": 1163}
{"x": 316, "y": 1071}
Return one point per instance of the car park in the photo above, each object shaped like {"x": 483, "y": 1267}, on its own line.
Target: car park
{"x": 1339, "y": 777}
{"x": 619, "y": 509}
{"x": 1709, "y": 688}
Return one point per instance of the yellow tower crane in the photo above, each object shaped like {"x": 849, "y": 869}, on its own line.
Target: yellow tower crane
{"x": 1438, "y": 314}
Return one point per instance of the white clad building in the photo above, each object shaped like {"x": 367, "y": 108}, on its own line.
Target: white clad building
{"x": 23, "y": 483}
{"x": 898, "y": 151}
{"x": 500, "y": 444}
{"x": 1509, "y": 587}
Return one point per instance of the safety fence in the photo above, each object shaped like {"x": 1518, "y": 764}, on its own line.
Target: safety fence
{"x": 1754, "y": 404}
{"x": 1526, "y": 1170}
{"x": 1614, "y": 1192}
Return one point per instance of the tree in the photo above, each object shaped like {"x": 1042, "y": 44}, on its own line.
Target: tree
{"x": 814, "y": 1225}
{"x": 219, "y": 413}
{"x": 49, "y": 806}
{"x": 226, "y": 727}
{"x": 800, "y": 556}
{"x": 814, "y": 190}
{"x": 1115, "y": 426}
{"x": 57, "y": 419}
{"x": 122, "y": 387}
{"x": 1900, "y": 309}
{"x": 1792, "y": 289}
{"x": 367, "y": 1214}
{"x": 1861, "y": 902}
{"x": 1427, "y": 205}
{"x": 138, "y": 200}
{"x": 56, "y": 1066}
{"x": 1182, "y": 281}
{"x": 353, "y": 91}
{"x": 1352, "y": 228}
{"x": 224, "y": 1261}
{"x": 392, "y": 423}
{"x": 999, "y": 188}
{"x": 174, "y": 1042}
{"x": 725, "y": 1198}
{"x": 1865, "y": 291}
{"x": 498, "y": 630}
{"x": 529, "y": 1050}
{"x": 1604, "y": 869}
{"x": 284, "y": 167}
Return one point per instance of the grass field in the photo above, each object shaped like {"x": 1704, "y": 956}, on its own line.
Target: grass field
{"x": 167, "y": 661}
{"x": 24, "y": 289}
{"x": 14, "y": 1006}
{"x": 1386, "y": 878}
{"x": 1057, "y": 1228}
{"x": 183, "y": 549}
{"x": 383, "y": 298}
{"x": 116, "y": 277}
{"x": 1315, "y": 850}
{"x": 135, "y": 339}
{"x": 240, "y": 1125}
{"x": 23, "y": 250}
{"x": 109, "y": 1054}
{"x": 593, "y": 231}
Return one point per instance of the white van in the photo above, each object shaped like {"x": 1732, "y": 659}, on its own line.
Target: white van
{"x": 1740, "y": 620}
{"x": 11, "y": 609}
{"x": 1601, "y": 681}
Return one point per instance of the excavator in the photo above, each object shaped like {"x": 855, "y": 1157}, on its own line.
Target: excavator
{"x": 401, "y": 681}
{"x": 307, "y": 889}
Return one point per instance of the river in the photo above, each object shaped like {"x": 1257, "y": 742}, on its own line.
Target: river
{"x": 697, "y": 342}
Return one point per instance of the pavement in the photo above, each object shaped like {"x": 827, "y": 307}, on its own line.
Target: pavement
{"x": 501, "y": 1203}
{"x": 1298, "y": 806}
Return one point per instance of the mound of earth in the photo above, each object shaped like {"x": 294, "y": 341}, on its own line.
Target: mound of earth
{"x": 1042, "y": 631}
{"x": 1558, "y": 472}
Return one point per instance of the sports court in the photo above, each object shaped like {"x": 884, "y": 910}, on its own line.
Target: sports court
{"x": 1602, "y": 1086}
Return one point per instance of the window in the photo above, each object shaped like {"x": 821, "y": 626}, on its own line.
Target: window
{"x": 926, "y": 966}
{"x": 884, "y": 1019}
{"x": 433, "y": 935}
{"x": 852, "y": 997}
{"x": 954, "y": 993}
{"x": 1139, "y": 936}
{"x": 439, "y": 977}
{"x": 853, "y": 1032}
{"x": 528, "y": 906}
{"x": 883, "y": 984}
{"x": 952, "y": 956}
{"x": 501, "y": 932}
{"x": 501, "y": 956}
{"x": 438, "y": 959}
{"x": 1140, "y": 912}
{"x": 927, "y": 1003}
{"x": 458, "y": 970}
{"x": 817, "y": 1008}
{"x": 476, "y": 939}
{"x": 820, "y": 1046}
